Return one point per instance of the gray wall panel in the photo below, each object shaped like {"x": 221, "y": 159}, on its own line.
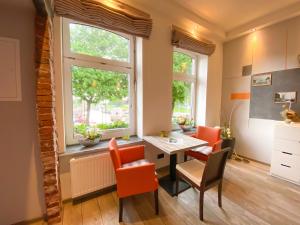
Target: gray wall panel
{"x": 262, "y": 104}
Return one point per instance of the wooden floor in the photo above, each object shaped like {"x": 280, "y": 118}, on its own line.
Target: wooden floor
{"x": 250, "y": 196}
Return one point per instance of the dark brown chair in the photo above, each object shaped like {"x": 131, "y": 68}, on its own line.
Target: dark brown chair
{"x": 204, "y": 176}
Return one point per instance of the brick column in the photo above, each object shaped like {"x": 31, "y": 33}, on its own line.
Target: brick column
{"x": 46, "y": 117}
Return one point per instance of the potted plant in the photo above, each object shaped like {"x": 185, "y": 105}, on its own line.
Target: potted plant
{"x": 228, "y": 139}
{"x": 185, "y": 123}
{"x": 88, "y": 136}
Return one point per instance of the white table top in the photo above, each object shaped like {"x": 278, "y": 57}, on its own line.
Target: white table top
{"x": 184, "y": 142}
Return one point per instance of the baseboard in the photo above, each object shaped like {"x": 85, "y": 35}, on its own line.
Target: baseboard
{"x": 91, "y": 195}
{"x": 254, "y": 160}
{"x": 34, "y": 220}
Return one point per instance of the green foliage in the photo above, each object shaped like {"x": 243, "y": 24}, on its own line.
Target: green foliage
{"x": 98, "y": 42}
{"x": 182, "y": 63}
{"x": 85, "y": 131}
{"x": 180, "y": 90}
{"x": 93, "y": 85}
{"x": 83, "y": 128}
{"x": 80, "y": 128}
{"x": 114, "y": 125}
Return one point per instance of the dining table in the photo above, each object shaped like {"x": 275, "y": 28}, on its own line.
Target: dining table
{"x": 175, "y": 143}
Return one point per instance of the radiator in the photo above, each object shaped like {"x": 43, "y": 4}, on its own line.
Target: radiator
{"x": 91, "y": 173}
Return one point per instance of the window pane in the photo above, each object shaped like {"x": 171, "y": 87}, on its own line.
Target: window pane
{"x": 98, "y": 42}
{"x": 100, "y": 99}
{"x": 182, "y": 100}
{"x": 182, "y": 63}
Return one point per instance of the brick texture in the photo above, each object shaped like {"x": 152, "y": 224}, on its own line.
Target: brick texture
{"x": 46, "y": 118}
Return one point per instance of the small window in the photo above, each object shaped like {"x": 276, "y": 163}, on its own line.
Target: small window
{"x": 184, "y": 83}
{"x": 98, "y": 81}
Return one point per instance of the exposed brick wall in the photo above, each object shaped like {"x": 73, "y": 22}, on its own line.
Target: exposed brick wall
{"x": 46, "y": 117}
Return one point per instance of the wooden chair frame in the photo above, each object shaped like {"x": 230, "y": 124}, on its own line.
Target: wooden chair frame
{"x": 205, "y": 185}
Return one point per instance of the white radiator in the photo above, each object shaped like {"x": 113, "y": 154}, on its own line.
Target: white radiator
{"x": 91, "y": 173}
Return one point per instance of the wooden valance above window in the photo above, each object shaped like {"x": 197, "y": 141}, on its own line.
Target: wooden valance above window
{"x": 185, "y": 40}
{"x": 110, "y": 14}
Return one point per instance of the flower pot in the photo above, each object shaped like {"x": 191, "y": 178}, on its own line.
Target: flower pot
{"x": 228, "y": 143}
{"x": 186, "y": 128}
{"x": 88, "y": 142}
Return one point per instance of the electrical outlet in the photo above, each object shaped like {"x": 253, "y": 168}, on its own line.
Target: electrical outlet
{"x": 161, "y": 156}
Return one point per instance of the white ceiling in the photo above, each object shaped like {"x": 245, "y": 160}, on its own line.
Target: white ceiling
{"x": 230, "y": 14}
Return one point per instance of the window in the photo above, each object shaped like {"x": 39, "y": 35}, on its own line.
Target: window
{"x": 98, "y": 81}
{"x": 184, "y": 83}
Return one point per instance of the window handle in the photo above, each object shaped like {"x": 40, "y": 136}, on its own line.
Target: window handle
{"x": 287, "y": 153}
{"x": 285, "y": 165}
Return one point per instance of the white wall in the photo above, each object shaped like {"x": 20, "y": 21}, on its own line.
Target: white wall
{"x": 21, "y": 191}
{"x": 270, "y": 49}
{"x": 157, "y": 65}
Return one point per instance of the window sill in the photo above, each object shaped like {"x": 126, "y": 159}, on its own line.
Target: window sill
{"x": 79, "y": 150}
{"x": 192, "y": 131}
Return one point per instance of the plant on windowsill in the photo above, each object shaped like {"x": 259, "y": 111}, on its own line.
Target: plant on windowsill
{"x": 185, "y": 123}
{"x": 88, "y": 136}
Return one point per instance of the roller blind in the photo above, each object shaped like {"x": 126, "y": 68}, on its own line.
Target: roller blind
{"x": 110, "y": 14}
{"x": 185, "y": 40}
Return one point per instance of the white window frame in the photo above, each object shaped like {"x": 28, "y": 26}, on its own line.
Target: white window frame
{"x": 189, "y": 78}
{"x": 74, "y": 59}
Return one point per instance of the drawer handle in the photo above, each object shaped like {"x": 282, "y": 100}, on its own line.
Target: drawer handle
{"x": 285, "y": 165}
{"x": 288, "y": 153}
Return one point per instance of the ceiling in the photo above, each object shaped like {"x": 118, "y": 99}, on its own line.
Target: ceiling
{"x": 230, "y": 14}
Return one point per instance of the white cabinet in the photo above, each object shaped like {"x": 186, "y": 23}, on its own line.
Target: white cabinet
{"x": 286, "y": 152}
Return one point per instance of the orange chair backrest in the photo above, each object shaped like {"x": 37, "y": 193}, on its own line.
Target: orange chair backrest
{"x": 114, "y": 153}
{"x": 209, "y": 134}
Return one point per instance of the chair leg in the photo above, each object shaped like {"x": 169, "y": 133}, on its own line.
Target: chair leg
{"x": 120, "y": 210}
{"x": 220, "y": 194}
{"x": 156, "y": 202}
{"x": 185, "y": 157}
{"x": 201, "y": 203}
{"x": 177, "y": 185}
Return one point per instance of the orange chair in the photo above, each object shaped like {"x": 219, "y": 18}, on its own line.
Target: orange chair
{"x": 134, "y": 174}
{"x": 212, "y": 136}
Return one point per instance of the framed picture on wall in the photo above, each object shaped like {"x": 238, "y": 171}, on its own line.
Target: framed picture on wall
{"x": 261, "y": 79}
{"x": 285, "y": 97}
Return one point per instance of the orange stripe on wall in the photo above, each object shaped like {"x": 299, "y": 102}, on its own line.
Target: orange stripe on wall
{"x": 240, "y": 96}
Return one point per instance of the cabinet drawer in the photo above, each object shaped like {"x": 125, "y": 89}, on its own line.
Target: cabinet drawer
{"x": 287, "y": 146}
{"x": 286, "y": 166}
{"x": 289, "y": 132}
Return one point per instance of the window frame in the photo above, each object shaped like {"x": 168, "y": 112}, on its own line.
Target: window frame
{"x": 189, "y": 78}
{"x": 74, "y": 59}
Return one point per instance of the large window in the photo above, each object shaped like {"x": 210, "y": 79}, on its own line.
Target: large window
{"x": 184, "y": 83}
{"x": 99, "y": 92}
